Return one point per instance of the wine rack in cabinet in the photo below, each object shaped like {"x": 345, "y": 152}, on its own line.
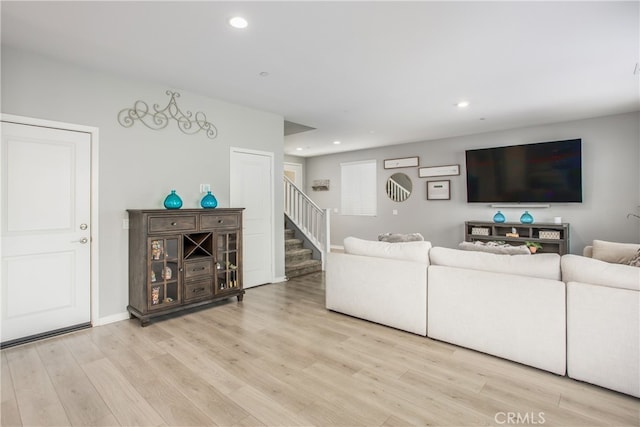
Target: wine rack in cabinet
{"x": 182, "y": 259}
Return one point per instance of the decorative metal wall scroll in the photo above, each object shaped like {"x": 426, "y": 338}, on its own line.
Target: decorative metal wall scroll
{"x": 159, "y": 118}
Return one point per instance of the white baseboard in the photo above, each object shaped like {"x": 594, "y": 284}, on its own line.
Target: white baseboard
{"x": 113, "y": 318}
{"x": 279, "y": 279}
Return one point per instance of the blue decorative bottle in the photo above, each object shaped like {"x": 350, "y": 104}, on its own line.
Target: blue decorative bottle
{"x": 526, "y": 218}
{"x": 499, "y": 217}
{"x": 209, "y": 201}
{"x": 173, "y": 201}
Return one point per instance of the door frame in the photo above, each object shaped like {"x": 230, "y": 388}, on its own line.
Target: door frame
{"x": 302, "y": 184}
{"x": 272, "y": 226}
{"x": 93, "y": 132}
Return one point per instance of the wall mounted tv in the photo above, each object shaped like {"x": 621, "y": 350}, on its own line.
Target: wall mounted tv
{"x": 545, "y": 172}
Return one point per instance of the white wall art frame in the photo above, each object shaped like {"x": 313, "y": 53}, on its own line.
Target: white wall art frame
{"x": 430, "y": 171}
{"x": 439, "y": 190}
{"x": 405, "y": 162}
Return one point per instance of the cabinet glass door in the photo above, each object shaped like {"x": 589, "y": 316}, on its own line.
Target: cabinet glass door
{"x": 227, "y": 262}
{"x": 163, "y": 284}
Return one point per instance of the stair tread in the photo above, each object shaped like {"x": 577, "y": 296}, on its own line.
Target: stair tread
{"x": 305, "y": 263}
{"x": 298, "y": 259}
{"x": 298, "y": 251}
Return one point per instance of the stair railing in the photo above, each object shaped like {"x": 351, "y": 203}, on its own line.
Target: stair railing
{"x": 312, "y": 220}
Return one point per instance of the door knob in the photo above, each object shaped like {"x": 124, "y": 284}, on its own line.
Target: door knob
{"x": 83, "y": 240}
{"x": 83, "y": 226}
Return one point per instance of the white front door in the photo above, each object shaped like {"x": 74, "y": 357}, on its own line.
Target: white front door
{"x": 46, "y": 230}
{"x": 251, "y": 187}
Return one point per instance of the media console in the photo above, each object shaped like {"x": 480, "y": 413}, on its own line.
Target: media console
{"x": 554, "y": 238}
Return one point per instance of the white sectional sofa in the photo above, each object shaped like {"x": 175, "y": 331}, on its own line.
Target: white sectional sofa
{"x": 603, "y": 323}
{"x": 382, "y": 282}
{"x": 511, "y": 306}
{"x": 541, "y": 310}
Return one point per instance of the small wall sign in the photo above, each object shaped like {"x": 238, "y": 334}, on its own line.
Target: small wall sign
{"x": 439, "y": 171}
{"x": 405, "y": 162}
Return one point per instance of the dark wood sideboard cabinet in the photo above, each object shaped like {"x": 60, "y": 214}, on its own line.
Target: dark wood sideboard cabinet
{"x": 183, "y": 258}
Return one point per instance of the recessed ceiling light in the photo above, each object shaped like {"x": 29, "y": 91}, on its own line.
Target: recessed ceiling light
{"x": 462, "y": 104}
{"x": 264, "y": 73}
{"x": 337, "y": 142}
{"x": 238, "y": 22}
{"x": 299, "y": 149}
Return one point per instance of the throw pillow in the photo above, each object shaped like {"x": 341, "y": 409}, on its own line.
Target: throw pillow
{"x": 494, "y": 248}
{"x": 406, "y": 251}
{"x": 618, "y": 253}
{"x": 635, "y": 261}
{"x": 397, "y": 237}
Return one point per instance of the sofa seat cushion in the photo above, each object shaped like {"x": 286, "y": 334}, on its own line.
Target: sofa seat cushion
{"x": 614, "y": 252}
{"x": 404, "y": 251}
{"x": 581, "y": 269}
{"x": 543, "y": 266}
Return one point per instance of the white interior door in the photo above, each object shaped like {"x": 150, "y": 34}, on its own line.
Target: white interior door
{"x": 294, "y": 172}
{"x": 46, "y": 230}
{"x": 251, "y": 183}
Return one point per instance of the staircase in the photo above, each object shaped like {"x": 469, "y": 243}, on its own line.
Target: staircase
{"x": 298, "y": 260}
{"x": 306, "y": 235}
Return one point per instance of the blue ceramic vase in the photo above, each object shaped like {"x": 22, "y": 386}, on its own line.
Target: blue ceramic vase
{"x": 209, "y": 201}
{"x": 173, "y": 201}
{"x": 499, "y": 217}
{"x": 526, "y": 218}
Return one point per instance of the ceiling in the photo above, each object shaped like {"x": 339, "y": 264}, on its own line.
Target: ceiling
{"x": 364, "y": 73}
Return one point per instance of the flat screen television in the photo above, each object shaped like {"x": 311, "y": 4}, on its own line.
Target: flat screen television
{"x": 545, "y": 172}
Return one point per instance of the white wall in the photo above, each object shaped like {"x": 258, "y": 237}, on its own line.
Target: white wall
{"x": 611, "y": 185}
{"x": 138, "y": 166}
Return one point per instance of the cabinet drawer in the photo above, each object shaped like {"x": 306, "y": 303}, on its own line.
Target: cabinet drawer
{"x": 196, "y": 290}
{"x": 202, "y": 267}
{"x": 172, "y": 223}
{"x": 211, "y": 221}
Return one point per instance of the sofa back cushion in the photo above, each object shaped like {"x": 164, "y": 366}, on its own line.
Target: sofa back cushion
{"x": 582, "y": 269}
{"x": 544, "y": 266}
{"x": 614, "y": 252}
{"x": 406, "y": 251}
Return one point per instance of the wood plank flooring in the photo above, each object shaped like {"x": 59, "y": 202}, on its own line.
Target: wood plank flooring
{"x": 279, "y": 358}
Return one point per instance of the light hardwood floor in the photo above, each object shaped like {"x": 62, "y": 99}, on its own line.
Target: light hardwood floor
{"x": 280, "y": 358}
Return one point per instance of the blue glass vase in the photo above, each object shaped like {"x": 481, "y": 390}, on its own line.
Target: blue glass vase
{"x": 173, "y": 201}
{"x": 526, "y": 218}
{"x": 499, "y": 217}
{"x": 209, "y": 201}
